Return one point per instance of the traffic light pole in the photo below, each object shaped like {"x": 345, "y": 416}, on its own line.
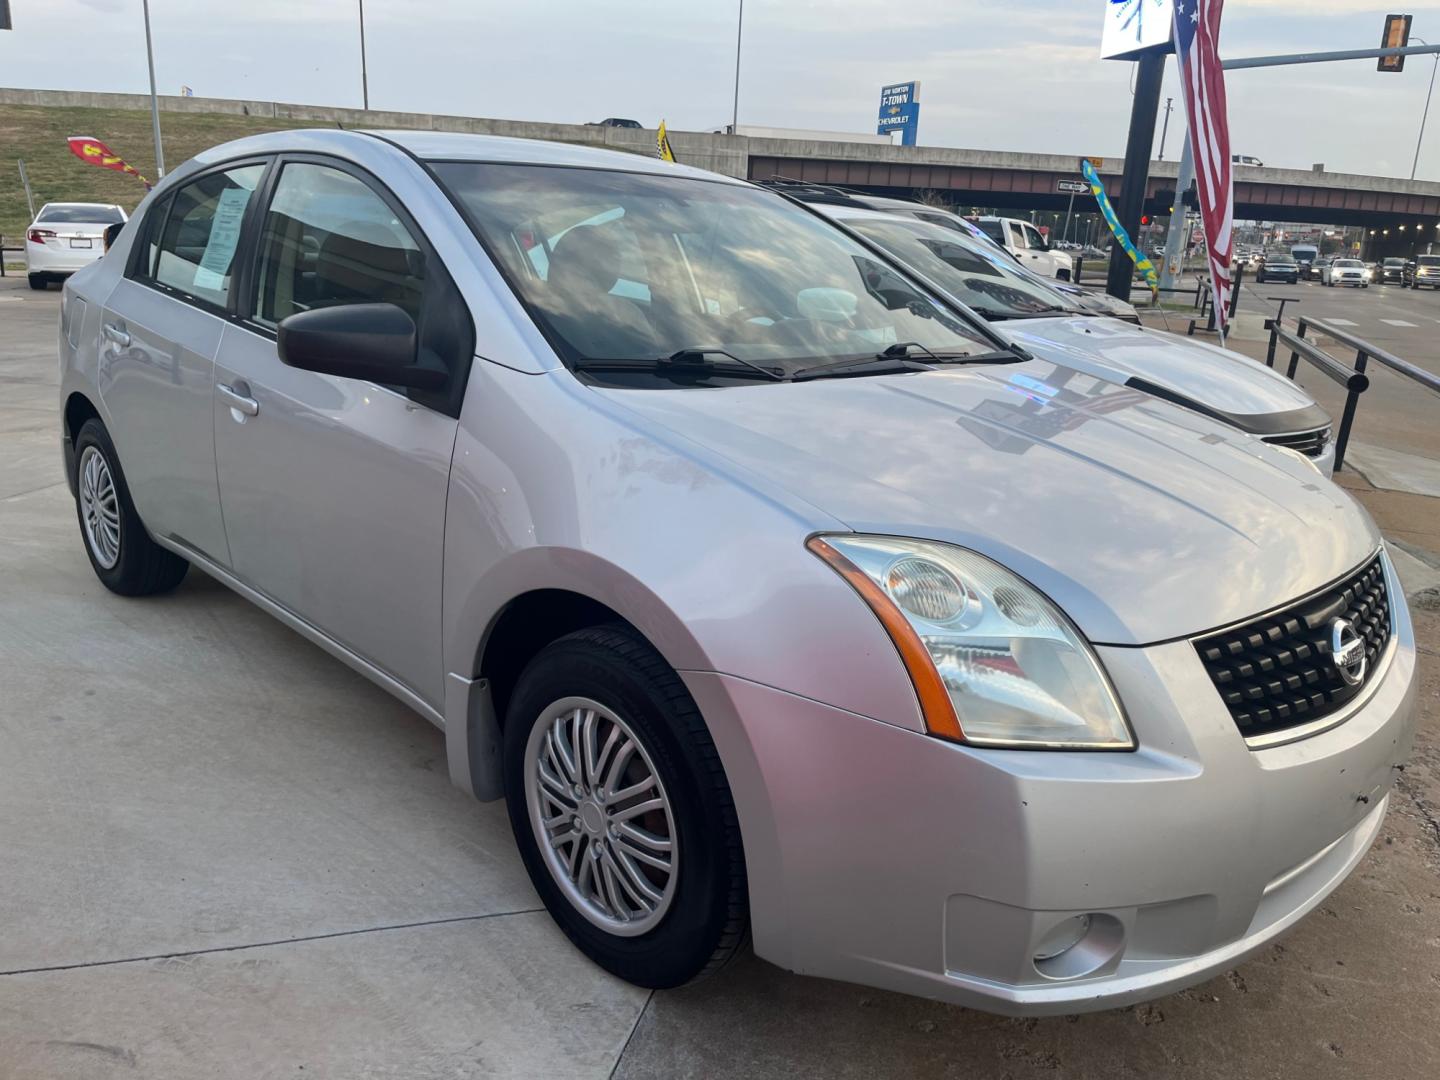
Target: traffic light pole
{"x": 1175, "y": 238}
{"x": 1136, "y": 177}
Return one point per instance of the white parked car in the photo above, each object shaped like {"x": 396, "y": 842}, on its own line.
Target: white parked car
{"x": 1346, "y": 272}
{"x": 1026, "y": 243}
{"x": 65, "y": 237}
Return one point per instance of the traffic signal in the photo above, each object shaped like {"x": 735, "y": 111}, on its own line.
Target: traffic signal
{"x": 1396, "y": 36}
{"x": 1144, "y": 219}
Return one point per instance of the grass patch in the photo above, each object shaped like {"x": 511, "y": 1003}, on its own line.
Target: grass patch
{"x": 36, "y": 134}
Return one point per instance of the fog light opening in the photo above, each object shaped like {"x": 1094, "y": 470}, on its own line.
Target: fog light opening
{"x": 1079, "y": 945}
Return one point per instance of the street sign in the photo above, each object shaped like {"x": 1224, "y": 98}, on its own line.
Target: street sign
{"x": 1136, "y": 26}
{"x": 1072, "y": 187}
{"x": 1097, "y": 162}
{"x": 899, "y": 111}
{"x": 1395, "y": 36}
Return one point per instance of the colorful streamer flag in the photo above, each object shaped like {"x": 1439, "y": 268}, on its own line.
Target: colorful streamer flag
{"x": 1138, "y": 257}
{"x": 662, "y": 145}
{"x": 1197, "y": 45}
{"x": 95, "y": 152}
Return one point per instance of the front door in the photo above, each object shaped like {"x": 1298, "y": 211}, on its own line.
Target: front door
{"x": 161, "y": 328}
{"x": 334, "y": 489}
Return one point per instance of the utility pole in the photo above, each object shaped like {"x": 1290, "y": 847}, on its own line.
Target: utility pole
{"x": 154, "y": 101}
{"x": 1179, "y": 219}
{"x": 364, "y": 70}
{"x": 1426, "y": 114}
{"x": 739, "y": 33}
{"x": 1165, "y": 129}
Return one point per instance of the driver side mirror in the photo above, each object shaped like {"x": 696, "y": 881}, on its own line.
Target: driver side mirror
{"x": 374, "y": 342}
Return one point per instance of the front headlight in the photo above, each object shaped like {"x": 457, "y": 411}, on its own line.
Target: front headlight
{"x": 994, "y": 662}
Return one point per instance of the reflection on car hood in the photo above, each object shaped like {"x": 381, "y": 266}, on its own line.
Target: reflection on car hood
{"x": 1229, "y": 386}
{"x": 1144, "y": 521}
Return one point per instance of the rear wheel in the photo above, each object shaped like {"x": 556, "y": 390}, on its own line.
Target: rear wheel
{"x": 121, "y": 552}
{"x": 39, "y": 282}
{"x": 621, "y": 809}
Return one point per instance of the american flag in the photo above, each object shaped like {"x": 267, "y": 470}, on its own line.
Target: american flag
{"x": 1197, "y": 44}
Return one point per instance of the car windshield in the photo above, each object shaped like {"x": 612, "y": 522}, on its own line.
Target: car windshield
{"x": 630, "y": 266}
{"x": 80, "y": 215}
{"x": 973, "y": 273}
{"x": 1350, "y": 264}
{"x": 1394, "y": 262}
{"x": 1429, "y": 260}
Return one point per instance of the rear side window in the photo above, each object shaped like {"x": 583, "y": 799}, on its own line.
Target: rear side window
{"x": 196, "y": 252}
{"x": 993, "y": 229}
{"x": 330, "y": 240}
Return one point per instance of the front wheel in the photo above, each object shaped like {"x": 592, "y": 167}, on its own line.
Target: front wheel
{"x": 622, "y": 811}
{"x": 121, "y": 552}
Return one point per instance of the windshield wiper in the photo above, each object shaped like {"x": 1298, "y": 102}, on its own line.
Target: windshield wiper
{"x": 990, "y": 314}
{"x": 894, "y": 359}
{"x": 683, "y": 362}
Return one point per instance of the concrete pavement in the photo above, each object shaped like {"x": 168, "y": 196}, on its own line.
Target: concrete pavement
{"x": 223, "y": 854}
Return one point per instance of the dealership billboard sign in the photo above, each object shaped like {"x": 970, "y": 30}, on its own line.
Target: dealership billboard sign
{"x": 1136, "y": 26}
{"x": 900, "y": 111}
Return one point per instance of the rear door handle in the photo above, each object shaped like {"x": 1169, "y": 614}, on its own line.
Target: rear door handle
{"x": 115, "y": 334}
{"x": 238, "y": 401}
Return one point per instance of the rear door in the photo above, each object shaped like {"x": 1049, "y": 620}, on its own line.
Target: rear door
{"x": 160, "y": 329}
{"x": 334, "y": 489}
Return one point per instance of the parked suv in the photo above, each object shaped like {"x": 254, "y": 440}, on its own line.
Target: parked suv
{"x": 767, "y": 587}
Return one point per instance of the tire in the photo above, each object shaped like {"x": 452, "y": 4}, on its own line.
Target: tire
{"x": 700, "y": 918}
{"x": 39, "y": 282}
{"x": 121, "y": 552}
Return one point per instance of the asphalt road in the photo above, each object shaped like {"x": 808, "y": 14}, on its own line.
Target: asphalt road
{"x": 225, "y": 855}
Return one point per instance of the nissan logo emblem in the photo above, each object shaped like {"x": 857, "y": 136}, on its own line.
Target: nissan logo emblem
{"x": 1347, "y": 650}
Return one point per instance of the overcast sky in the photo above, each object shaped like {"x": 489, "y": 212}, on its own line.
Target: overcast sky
{"x": 1011, "y": 75}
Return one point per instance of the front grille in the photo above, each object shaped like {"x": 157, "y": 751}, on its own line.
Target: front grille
{"x": 1275, "y": 672}
{"x": 1309, "y": 443}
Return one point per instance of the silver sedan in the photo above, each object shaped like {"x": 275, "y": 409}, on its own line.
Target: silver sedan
{"x": 771, "y": 590}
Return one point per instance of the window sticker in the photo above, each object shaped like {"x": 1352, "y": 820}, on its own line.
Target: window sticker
{"x": 224, "y": 238}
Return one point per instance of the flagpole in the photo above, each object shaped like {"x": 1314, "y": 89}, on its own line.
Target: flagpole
{"x": 154, "y": 101}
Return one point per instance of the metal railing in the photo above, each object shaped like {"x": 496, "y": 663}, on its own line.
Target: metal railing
{"x": 20, "y": 251}
{"x": 1355, "y": 379}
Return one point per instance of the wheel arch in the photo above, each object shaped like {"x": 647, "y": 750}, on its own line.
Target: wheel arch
{"x": 78, "y": 409}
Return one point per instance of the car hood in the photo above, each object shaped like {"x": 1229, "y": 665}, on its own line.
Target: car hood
{"x": 1144, "y": 521}
{"x": 1222, "y": 384}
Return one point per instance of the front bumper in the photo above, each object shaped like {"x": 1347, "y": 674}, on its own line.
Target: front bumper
{"x": 880, "y": 856}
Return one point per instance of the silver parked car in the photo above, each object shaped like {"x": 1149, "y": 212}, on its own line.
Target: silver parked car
{"x": 1222, "y": 384}
{"x": 769, "y": 589}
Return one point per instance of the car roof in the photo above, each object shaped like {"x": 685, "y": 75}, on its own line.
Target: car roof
{"x": 80, "y": 205}
{"x": 459, "y": 146}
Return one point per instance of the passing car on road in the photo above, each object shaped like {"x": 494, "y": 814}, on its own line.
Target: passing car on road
{"x": 65, "y": 237}
{"x": 1423, "y": 272}
{"x": 1246, "y": 159}
{"x": 1214, "y": 382}
{"x": 1351, "y": 272}
{"x": 769, "y": 589}
{"x": 1305, "y": 256}
{"x": 1277, "y": 268}
{"x": 1392, "y": 271}
{"x": 1317, "y": 268}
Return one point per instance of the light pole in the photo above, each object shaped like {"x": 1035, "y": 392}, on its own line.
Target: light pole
{"x": 1164, "y": 131}
{"x": 364, "y": 72}
{"x": 154, "y": 101}
{"x": 1426, "y": 114}
{"x": 739, "y": 33}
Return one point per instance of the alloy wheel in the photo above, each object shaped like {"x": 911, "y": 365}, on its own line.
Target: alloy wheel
{"x": 601, "y": 817}
{"x": 99, "y": 508}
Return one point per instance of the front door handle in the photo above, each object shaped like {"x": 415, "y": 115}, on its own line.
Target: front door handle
{"x": 238, "y": 401}
{"x": 115, "y": 334}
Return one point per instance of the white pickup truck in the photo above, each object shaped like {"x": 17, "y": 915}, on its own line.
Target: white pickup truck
{"x": 1026, "y": 243}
